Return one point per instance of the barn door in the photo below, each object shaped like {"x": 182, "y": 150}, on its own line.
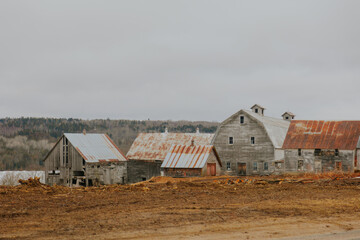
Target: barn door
{"x": 241, "y": 168}
{"x": 211, "y": 169}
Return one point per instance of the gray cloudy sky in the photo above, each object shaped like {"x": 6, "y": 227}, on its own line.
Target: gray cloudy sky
{"x": 194, "y": 60}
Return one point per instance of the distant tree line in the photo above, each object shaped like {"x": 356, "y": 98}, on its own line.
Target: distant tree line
{"x": 20, "y": 138}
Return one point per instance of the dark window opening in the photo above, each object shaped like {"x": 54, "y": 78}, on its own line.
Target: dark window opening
{"x": 336, "y": 152}
{"x": 256, "y": 110}
{"x": 90, "y": 182}
{"x": 228, "y": 166}
{"x": 143, "y": 179}
{"x": 252, "y": 140}
{"x": 231, "y": 140}
{"x": 266, "y": 166}
{"x": 299, "y": 152}
{"x": 317, "y": 152}
{"x": 241, "y": 119}
{"x": 287, "y": 118}
{"x": 255, "y": 166}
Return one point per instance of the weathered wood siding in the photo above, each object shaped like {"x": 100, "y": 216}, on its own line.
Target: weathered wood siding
{"x": 139, "y": 170}
{"x": 107, "y": 173}
{"x": 57, "y": 171}
{"x": 242, "y": 151}
{"x": 326, "y": 162}
{"x": 193, "y": 172}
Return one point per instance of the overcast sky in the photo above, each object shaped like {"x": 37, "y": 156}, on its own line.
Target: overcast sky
{"x": 193, "y": 60}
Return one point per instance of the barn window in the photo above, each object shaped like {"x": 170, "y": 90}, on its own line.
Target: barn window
{"x": 299, "y": 152}
{"x": 256, "y": 110}
{"x": 336, "y": 152}
{"x": 228, "y": 166}
{"x": 252, "y": 140}
{"x": 300, "y": 164}
{"x": 317, "y": 152}
{"x": 278, "y": 165}
{"x": 266, "y": 166}
{"x": 255, "y": 166}
{"x": 241, "y": 119}
{"x": 231, "y": 140}
{"x": 287, "y": 118}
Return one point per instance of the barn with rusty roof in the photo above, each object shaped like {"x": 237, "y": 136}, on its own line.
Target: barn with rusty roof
{"x": 191, "y": 161}
{"x": 321, "y": 146}
{"x": 85, "y": 159}
{"x": 149, "y": 150}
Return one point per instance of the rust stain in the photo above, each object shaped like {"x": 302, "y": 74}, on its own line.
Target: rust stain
{"x": 343, "y": 135}
{"x": 155, "y": 146}
{"x": 83, "y": 156}
{"x": 112, "y": 142}
{"x": 181, "y": 156}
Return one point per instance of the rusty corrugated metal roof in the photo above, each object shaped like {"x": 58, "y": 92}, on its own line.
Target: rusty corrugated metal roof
{"x": 155, "y": 146}
{"x": 343, "y": 135}
{"x": 181, "y": 156}
{"x": 95, "y": 147}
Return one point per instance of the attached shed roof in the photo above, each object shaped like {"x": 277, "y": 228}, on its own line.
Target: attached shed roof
{"x": 95, "y": 147}
{"x": 182, "y": 156}
{"x": 155, "y": 146}
{"x": 343, "y": 135}
{"x": 275, "y": 128}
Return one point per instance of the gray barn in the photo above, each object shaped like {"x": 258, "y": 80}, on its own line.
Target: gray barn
{"x": 249, "y": 143}
{"x": 322, "y": 146}
{"x": 85, "y": 159}
{"x": 149, "y": 151}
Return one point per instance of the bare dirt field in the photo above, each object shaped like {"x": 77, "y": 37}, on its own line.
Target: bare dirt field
{"x": 287, "y": 207}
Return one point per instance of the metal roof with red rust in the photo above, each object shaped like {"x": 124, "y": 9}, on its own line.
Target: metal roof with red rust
{"x": 343, "y": 135}
{"x": 155, "y": 146}
{"x": 181, "y": 156}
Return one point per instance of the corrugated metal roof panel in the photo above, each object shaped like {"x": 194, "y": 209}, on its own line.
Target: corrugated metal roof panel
{"x": 343, "y": 135}
{"x": 181, "y": 156}
{"x": 276, "y": 128}
{"x": 95, "y": 147}
{"x": 155, "y": 146}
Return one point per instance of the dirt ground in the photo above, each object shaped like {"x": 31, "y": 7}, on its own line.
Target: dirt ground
{"x": 287, "y": 207}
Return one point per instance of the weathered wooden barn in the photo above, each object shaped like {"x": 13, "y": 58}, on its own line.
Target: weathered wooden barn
{"x": 321, "y": 146}
{"x": 149, "y": 150}
{"x": 191, "y": 161}
{"x": 85, "y": 159}
{"x": 249, "y": 143}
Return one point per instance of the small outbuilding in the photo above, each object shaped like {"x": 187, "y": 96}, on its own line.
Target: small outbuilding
{"x": 191, "y": 161}
{"x": 149, "y": 150}
{"x": 322, "y": 146}
{"x": 85, "y": 159}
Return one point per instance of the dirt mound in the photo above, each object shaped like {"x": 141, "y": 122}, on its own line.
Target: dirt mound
{"x": 31, "y": 182}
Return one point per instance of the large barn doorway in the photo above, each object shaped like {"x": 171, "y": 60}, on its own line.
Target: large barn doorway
{"x": 242, "y": 169}
{"x": 211, "y": 169}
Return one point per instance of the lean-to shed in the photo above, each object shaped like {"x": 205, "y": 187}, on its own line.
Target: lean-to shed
{"x": 150, "y": 149}
{"x": 191, "y": 160}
